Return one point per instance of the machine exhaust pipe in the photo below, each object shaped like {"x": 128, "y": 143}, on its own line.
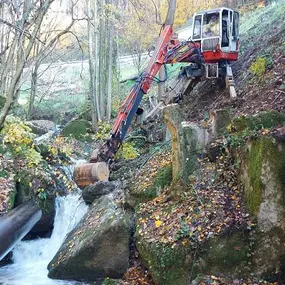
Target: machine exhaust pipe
{"x": 16, "y": 224}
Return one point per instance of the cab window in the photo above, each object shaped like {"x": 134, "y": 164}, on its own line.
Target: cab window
{"x": 211, "y": 25}
{"x": 236, "y": 26}
{"x": 197, "y": 27}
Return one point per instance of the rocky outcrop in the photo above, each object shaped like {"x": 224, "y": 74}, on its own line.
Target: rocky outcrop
{"x": 98, "y": 247}
{"x": 188, "y": 142}
{"x": 263, "y": 176}
{"x": 220, "y": 121}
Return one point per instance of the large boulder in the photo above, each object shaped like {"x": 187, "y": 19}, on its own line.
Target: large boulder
{"x": 98, "y": 247}
{"x": 180, "y": 264}
{"x": 97, "y": 190}
{"x": 78, "y": 129}
{"x": 41, "y": 127}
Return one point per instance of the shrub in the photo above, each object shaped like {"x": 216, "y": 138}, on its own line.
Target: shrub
{"x": 127, "y": 151}
{"x": 19, "y": 138}
{"x": 104, "y": 129}
{"x": 258, "y": 67}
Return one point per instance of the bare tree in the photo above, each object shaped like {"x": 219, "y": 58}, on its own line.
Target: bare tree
{"x": 50, "y": 34}
{"x": 24, "y": 20}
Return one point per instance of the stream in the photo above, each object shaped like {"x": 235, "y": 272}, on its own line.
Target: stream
{"x": 30, "y": 258}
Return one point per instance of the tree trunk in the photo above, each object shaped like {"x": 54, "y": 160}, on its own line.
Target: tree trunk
{"x": 170, "y": 13}
{"x": 102, "y": 61}
{"x": 92, "y": 42}
{"x": 34, "y": 83}
{"x": 110, "y": 73}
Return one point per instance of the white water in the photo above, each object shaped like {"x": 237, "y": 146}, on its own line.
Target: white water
{"x": 32, "y": 257}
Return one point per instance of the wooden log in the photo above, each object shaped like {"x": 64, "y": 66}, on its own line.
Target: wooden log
{"x": 16, "y": 224}
{"x": 90, "y": 173}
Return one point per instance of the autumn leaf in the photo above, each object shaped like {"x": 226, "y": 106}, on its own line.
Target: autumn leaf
{"x": 158, "y": 223}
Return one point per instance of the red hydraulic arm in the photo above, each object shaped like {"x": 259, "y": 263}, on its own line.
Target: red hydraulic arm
{"x": 167, "y": 51}
{"x": 130, "y": 105}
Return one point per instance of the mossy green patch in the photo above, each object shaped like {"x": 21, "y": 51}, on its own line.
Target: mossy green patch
{"x": 267, "y": 120}
{"x": 179, "y": 264}
{"x": 168, "y": 265}
{"x": 263, "y": 150}
{"x": 228, "y": 254}
{"x": 78, "y": 129}
{"x": 2, "y": 102}
{"x": 109, "y": 281}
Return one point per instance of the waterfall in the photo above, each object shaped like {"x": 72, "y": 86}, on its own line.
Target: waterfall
{"x": 30, "y": 258}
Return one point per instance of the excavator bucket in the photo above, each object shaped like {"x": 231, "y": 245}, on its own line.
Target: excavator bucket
{"x": 89, "y": 173}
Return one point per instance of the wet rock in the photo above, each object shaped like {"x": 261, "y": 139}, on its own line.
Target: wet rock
{"x": 44, "y": 226}
{"x": 98, "y": 247}
{"x": 98, "y": 189}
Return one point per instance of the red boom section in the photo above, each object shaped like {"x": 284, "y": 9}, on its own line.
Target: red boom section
{"x": 152, "y": 69}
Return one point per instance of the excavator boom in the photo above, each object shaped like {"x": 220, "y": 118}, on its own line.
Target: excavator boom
{"x": 131, "y": 103}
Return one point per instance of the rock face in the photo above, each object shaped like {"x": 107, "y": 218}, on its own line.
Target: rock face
{"x": 188, "y": 142}
{"x": 97, "y": 190}
{"x": 264, "y": 178}
{"x": 98, "y": 247}
{"x": 221, "y": 119}
{"x": 169, "y": 265}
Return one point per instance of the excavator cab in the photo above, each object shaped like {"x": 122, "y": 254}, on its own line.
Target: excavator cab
{"x": 217, "y": 31}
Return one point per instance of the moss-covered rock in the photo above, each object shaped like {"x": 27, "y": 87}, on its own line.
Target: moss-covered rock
{"x": 227, "y": 254}
{"x": 264, "y": 180}
{"x": 78, "y": 129}
{"x": 179, "y": 264}
{"x": 98, "y": 247}
{"x": 167, "y": 265}
{"x": 267, "y": 120}
{"x": 263, "y": 176}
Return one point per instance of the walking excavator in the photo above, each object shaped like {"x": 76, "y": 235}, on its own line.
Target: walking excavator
{"x": 210, "y": 49}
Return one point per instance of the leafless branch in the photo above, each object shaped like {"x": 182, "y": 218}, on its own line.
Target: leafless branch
{"x": 157, "y": 14}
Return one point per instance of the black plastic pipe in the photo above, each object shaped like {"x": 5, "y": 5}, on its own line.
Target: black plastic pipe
{"x": 16, "y": 224}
